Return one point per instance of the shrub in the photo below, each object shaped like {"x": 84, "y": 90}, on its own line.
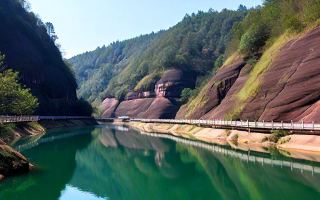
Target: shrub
{"x": 265, "y": 139}
{"x": 228, "y": 132}
{"x": 185, "y": 95}
{"x": 284, "y": 140}
{"x": 253, "y": 39}
{"x": 235, "y": 137}
{"x": 277, "y": 134}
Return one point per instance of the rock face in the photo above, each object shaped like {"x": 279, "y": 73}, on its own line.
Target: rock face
{"x": 29, "y": 50}
{"x": 12, "y": 162}
{"x": 289, "y": 86}
{"x": 108, "y": 106}
{"x": 173, "y": 82}
{"x": 214, "y": 92}
{"x": 161, "y": 108}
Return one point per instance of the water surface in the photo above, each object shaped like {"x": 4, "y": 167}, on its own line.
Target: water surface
{"x": 115, "y": 162}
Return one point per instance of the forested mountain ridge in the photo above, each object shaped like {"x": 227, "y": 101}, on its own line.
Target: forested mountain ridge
{"x": 264, "y": 67}
{"x": 193, "y": 45}
{"x": 29, "y": 48}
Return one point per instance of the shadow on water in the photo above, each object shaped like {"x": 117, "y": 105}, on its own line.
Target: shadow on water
{"x": 55, "y": 164}
{"x": 116, "y": 162}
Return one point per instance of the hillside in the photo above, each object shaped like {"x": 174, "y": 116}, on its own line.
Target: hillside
{"x": 276, "y": 78}
{"x": 264, "y": 66}
{"x": 29, "y": 49}
{"x": 126, "y": 68}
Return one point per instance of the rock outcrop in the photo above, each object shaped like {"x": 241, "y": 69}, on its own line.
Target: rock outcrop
{"x": 288, "y": 88}
{"x": 109, "y": 106}
{"x": 173, "y": 82}
{"x": 214, "y": 92}
{"x": 12, "y": 162}
{"x": 291, "y": 85}
{"x": 152, "y": 108}
{"x": 163, "y": 106}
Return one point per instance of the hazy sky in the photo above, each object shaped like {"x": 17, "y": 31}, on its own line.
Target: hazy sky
{"x": 82, "y": 25}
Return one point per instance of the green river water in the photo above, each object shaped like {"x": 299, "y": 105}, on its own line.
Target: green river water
{"x": 115, "y": 162}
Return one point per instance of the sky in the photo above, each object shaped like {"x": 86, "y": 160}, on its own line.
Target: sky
{"x": 83, "y": 25}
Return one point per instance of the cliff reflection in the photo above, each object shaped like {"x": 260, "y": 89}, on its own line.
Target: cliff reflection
{"x": 128, "y": 165}
{"x": 122, "y": 164}
{"x": 114, "y": 162}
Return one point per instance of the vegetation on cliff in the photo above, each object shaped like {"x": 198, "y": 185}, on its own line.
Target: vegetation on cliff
{"x": 259, "y": 39}
{"x": 14, "y": 99}
{"x": 31, "y": 49}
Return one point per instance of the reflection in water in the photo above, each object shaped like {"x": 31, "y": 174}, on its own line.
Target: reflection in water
{"x": 115, "y": 162}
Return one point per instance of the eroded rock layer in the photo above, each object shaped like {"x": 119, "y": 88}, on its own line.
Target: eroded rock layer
{"x": 289, "y": 87}
{"x": 108, "y": 106}
{"x": 148, "y": 108}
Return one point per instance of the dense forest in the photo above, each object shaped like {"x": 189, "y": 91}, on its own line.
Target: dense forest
{"x": 30, "y": 48}
{"x": 196, "y": 44}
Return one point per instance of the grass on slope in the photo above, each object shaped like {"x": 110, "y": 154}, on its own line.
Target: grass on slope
{"x": 201, "y": 99}
{"x": 255, "y": 80}
{"x": 148, "y": 79}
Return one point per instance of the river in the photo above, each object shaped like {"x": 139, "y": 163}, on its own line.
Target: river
{"x": 116, "y": 162}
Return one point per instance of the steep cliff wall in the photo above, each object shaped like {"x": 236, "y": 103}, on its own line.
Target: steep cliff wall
{"x": 282, "y": 86}
{"x": 30, "y": 50}
{"x": 151, "y": 108}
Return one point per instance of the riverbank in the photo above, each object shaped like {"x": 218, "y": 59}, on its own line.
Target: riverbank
{"x": 11, "y": 161}
{"x": 300, "y": 146}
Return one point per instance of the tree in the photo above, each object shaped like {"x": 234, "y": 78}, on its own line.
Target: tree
{"x": 242, "y": 7}
{"x": 25, "y": 4}
{"x": 253, "y": 39}
{"x": 14, "y": 99}
{"x": 51, "y": 32}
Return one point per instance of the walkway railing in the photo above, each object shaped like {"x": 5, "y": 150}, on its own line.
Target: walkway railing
{"x": 240, "y": 124}
{"x": 217, "y": 123}
{"x": 11, "y": 119}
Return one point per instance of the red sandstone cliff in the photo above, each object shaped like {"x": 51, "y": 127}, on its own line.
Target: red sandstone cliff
{"x": 289, "y": 86}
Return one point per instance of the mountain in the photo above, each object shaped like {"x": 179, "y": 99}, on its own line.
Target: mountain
{"x": 256, "y": 64}
{"x": 30, "y": 50}
{"x": 134, "y": 66}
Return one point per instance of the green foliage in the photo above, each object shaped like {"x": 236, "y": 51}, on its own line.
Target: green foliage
{"x": 193, "y": 45}
{"x": 15, "y": 99}
{"x": 253, "y": 39}
{"x": 265, "y": 139}
{"x": 185, "y": 94}
{"x": 277, "y": 134}
{"x": 283, "y": 140}
{"x": 219, "y": 62}
{"x": 233, "y": 114}
{"x": 39, "y": 63}
{"x": 5, "y": 128}
{"x": 312, "y": 11}
{"x": 235, "y": 137}
{"x": 271, "y": 20}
